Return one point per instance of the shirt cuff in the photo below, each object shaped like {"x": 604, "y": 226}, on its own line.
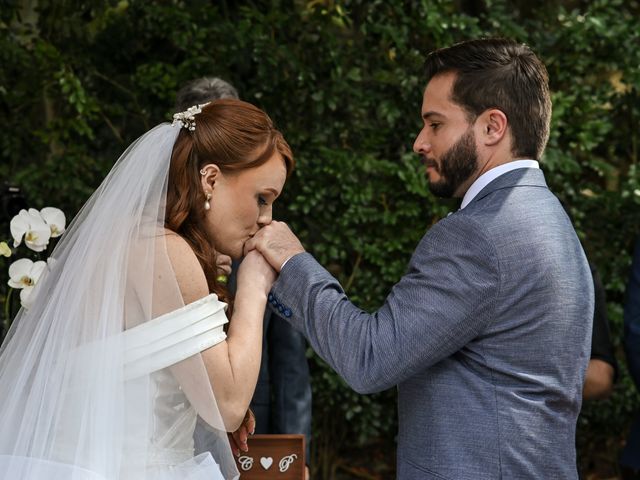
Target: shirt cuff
{"x": 288, "y": 258}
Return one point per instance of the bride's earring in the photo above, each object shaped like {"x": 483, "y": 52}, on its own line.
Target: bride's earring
{"x": 207, "y": 205}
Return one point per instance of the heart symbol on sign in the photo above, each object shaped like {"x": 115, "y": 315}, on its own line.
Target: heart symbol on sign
{"x": 266, "y": 462}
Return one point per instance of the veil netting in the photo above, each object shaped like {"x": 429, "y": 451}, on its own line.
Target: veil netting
{"x": 102, "y": 377}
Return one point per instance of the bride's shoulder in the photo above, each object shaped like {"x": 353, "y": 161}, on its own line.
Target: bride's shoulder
{"x": 177, "y": 246}
{"x": 187, "y": 268}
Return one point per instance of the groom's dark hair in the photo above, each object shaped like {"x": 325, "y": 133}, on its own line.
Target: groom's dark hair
{"x": 502, "y": 74}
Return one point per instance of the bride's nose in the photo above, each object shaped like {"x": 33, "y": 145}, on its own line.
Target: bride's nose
{"x": 264, "y": 218}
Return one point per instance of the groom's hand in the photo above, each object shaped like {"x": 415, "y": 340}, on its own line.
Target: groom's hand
{"x": 276, "y": 242}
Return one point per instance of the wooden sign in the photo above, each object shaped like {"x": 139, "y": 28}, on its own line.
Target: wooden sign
{"x": 273, "y": 457}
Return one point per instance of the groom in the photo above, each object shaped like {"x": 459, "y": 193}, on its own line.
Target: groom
{"x": 487, "y": 334}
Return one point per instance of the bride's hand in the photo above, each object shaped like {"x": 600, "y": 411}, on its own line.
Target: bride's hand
{"x": 238, "y": 439}
{"x": 255, "y": 273}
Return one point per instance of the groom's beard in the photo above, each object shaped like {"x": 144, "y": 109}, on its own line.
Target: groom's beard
{"x": 456, "y": 166}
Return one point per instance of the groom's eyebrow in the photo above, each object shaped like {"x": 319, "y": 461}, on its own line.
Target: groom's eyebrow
{"x": 431, "y": 114}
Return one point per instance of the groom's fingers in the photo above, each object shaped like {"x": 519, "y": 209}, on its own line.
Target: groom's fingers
{"x": 257, "y": 241}
{"x": 249, "y": 245}
{"x": 276, "y": 242}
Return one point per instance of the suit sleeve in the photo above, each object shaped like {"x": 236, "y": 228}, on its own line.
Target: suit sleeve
{"x": 443, "y": 301}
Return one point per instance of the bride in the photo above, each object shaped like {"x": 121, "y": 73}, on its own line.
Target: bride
{"x": 125, "y": 344}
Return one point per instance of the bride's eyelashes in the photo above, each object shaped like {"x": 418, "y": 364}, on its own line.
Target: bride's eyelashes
{"x": 261, "y": 200}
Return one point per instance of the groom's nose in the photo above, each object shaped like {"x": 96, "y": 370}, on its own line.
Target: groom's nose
{"x": 421, "y": 145}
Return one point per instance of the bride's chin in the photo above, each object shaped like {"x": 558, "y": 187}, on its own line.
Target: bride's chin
{"x": 234, "y": 253}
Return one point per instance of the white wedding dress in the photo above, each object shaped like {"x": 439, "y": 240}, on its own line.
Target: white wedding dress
{"x": 151, "y": 349}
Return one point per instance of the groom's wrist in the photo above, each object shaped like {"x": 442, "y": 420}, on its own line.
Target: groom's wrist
{"x": 285, "y": 262}
{"x": 289, "y": 258}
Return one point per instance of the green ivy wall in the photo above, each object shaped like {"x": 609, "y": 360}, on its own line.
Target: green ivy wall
{"x": 342, "y": 80}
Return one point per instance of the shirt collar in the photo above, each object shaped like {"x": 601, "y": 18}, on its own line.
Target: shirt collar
{"x": 487, "y": 177}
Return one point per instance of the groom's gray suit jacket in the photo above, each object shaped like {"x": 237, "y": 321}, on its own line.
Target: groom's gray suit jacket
{"x": 487, "y": 337}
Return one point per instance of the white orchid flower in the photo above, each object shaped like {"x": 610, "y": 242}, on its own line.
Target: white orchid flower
{"x": 54, "y": 217}
{"x": 26, "y": 297}
{"x": 24, "y": 275}
{"x": 5, "y": 251}
{"x": 31, "y": 226}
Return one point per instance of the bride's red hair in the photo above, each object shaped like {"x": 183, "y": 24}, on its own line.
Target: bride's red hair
{"x": 235, "y": 136}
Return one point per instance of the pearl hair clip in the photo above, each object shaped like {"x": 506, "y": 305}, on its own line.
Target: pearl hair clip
{"x": 187, "y": 119}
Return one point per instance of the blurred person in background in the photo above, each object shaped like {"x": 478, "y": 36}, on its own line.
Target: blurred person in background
{"x": 630, "y": 459}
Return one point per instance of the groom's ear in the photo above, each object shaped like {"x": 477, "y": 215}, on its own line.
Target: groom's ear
{"x": 208, "y": 176}
{"x": 494, "y": 125}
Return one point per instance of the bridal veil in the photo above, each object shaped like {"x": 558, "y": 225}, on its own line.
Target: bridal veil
{"x": 74, "y": 391}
